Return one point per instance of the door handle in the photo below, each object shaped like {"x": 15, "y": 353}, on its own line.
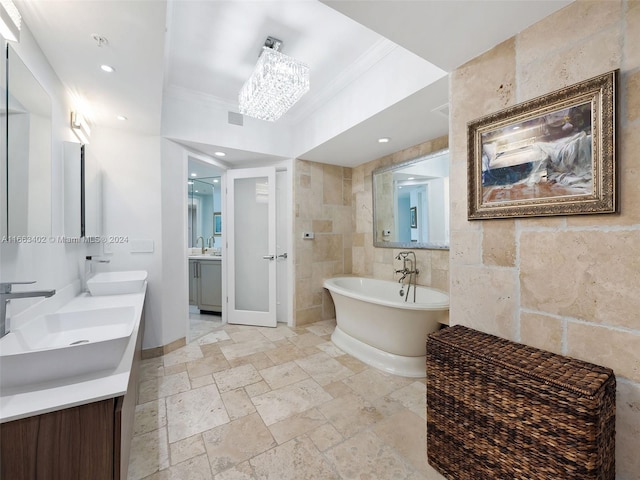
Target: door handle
{"x": 284, "y": 255}
{"x": 269, "y": 257}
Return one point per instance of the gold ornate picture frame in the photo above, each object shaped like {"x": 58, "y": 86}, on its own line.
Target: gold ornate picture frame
{"x": 553, "y": 155}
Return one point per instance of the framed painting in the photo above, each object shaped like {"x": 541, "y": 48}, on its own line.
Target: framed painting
{"x": 553, "y": 155}
{"x": 413, "y": 217}
{"x": 217, "y": 224}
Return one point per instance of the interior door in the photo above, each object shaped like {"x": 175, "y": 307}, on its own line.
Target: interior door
{"x": 251, "y": 238}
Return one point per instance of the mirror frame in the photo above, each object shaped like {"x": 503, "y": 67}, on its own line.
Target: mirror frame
{"x": 397, "y": 166}
{"x": 4, "y": 156}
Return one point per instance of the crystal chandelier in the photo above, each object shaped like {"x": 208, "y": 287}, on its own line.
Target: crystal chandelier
{"x": 276, "y": 84}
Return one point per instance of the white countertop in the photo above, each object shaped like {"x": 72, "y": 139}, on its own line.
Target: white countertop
{"x": 29, "y": 400}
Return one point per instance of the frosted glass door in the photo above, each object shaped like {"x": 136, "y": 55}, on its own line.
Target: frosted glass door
{"x": 252, "y": 246}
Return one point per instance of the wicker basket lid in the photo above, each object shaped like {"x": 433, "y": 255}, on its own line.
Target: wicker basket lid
{"x": 575, "y": 375}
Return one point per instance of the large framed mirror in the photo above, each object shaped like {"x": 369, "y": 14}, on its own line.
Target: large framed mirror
{"x": 411, "y": 203}
{"x": 27, "y": 171}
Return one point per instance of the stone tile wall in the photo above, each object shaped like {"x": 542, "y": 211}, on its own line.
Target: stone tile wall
{"x": 565, "y": 284}
{"x": 370, "y": 261}
{"x": 322, "y": 197}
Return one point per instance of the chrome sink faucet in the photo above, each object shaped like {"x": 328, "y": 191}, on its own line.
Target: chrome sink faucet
{"x": 89, "y": 260}
{"x": 200, "y": 238}
{"x": 6, "y": 294}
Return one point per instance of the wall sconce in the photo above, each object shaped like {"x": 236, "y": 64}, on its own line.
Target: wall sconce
{"x": 10, "y": 21}
{"x": 80, "y": 127}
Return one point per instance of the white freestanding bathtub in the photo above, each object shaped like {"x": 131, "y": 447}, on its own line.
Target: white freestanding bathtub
{"x": 376, "y": 325}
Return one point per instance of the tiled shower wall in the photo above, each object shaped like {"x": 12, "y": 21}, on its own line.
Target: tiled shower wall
{"x": 565, "y": 284}
{"x": 370, "y": 261}
{"x": 322, "y": 198}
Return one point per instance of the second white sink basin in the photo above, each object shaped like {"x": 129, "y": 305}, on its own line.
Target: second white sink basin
{"x": 63, "y": 345}
{"x": 117, "y": 283}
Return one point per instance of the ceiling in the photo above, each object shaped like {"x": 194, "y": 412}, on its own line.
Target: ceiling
{"x": 208, "y": 48}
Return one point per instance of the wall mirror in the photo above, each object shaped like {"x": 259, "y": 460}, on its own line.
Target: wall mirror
{"x": 28, "y": 165}
{"x": 74, "y": 192}
{"x": 411, "y": 203}
{"x": 204, "y": 205}
{"x": 204, "y": 212}
{"x": 82, "y": 192}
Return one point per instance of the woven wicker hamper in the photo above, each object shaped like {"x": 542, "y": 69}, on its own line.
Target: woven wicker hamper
{"x": 499, "y": 410}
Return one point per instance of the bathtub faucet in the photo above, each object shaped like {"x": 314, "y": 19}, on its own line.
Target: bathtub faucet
{"x": 408, "y": 268}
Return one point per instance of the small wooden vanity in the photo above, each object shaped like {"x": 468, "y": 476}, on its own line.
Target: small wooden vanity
{"x": 87, "y": 440}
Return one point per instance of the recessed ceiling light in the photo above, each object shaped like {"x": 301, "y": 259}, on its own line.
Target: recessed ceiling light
{"x": 194, "y": 174}
{"x": 197, "y": 191}
{"x": 219, "y": 154}
{"x": 411, "y": 178}
{"x": 384, "y": 140}
{"x": 215, "y": 180}
{"x": 107, "y": 68}
{"x": 121, "y": 117}
{"x": 190, "y": 182}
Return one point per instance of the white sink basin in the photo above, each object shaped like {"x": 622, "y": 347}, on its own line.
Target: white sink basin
{"x": 117, "y": 283}
{"x": 64, "y": 345}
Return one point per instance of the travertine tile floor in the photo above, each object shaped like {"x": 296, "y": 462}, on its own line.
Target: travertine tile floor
{"x": 200, "y": 324}
{"x": 241, "y": 403}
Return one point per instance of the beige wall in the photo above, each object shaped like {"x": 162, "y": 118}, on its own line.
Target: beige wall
{"x": 322, "y": 198}
{"x": 565, "y": 284}
{"x": 370, "y": 261}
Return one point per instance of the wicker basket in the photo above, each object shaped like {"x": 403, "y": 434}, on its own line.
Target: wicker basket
{"x": 502, "y": 410}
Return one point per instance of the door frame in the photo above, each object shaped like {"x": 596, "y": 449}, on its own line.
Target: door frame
{"x": 186, "y": 154}
{"x": 280, "y": 165}
{"x": 288, "y": 167}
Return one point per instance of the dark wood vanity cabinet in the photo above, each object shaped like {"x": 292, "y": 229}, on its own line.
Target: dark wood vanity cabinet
{"x": 74, "y": 443}
{"x": 87, "y": 442}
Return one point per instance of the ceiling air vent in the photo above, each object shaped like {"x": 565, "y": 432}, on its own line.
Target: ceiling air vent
{"x": 442, "y": 110}
{"x": 236, "y": 118}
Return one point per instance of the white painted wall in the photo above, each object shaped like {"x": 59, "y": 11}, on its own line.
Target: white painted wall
{"x": 51, "y": 264}
{"x": 175, "y": 286}
{"x": 132, "y": 212}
